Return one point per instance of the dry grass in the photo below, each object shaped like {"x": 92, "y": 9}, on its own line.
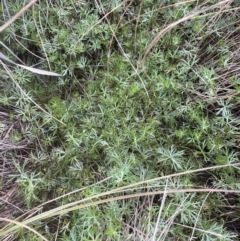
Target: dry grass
{"x": 141, "y": 195}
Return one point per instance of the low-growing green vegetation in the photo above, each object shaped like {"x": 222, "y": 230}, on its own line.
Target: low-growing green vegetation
{"x": 139, "y": 137}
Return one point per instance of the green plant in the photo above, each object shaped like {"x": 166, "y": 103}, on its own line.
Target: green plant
{"x": 147, "y": 90}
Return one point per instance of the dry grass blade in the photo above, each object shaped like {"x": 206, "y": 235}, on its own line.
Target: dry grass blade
{"x": 24, "y": 226}
{"x": 164, "y": 154}
{"x": 197, "y": 218}
{"x": 99, "y": 21}
{"x": 160, "y": 211}
{"x": 77, "y": 204}
{"x": 17, "y": 15}
{"x": 10, "y": 202}
{"x": 201, "y": 230}
{"x": 121, "y": 189}
{"x": 4, "y": 231}
{"x": 12, "y": 77}
{"x": 34, "y": 70}
{"x": 172, "y": 25}
{"x": 39, "y": 71}
{"x": 62, "y": 211}
{"x": 125, "y": 55}
{"x": 2, "y": 56}
{"x": 170, "y": 221}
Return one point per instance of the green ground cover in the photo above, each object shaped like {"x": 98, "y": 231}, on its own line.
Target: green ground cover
{"x": 149, "y": 88}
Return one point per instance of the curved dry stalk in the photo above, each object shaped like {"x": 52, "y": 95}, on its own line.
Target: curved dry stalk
{"x": 80, "y": 203}
{"x": 172, "y": 25}
{"x": 17, "y": 15}
{"x": 127, "y": 188}
{"x": 62, "y": 211}
{"x": 24, "y": 226}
